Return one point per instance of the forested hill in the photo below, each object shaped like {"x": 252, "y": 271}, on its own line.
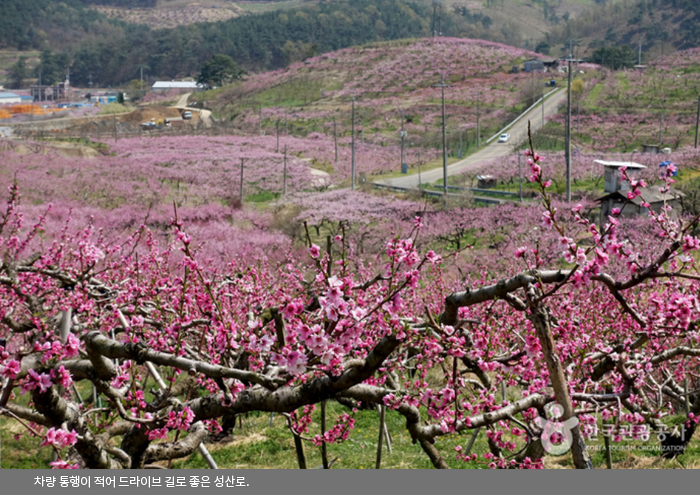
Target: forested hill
{"x": 690, "y": 25}
{"x": 258, "y": 42}
{"x": 110, "y": 52}
{"x": 34, "y": 24}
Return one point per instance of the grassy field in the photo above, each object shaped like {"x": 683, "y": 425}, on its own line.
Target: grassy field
{"x": 254, "y": 444}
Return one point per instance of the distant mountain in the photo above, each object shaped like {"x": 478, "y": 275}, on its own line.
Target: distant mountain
{"x": 111, "y": 51}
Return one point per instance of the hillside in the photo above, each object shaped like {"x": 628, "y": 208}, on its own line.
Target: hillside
{"x": 97, "y": 35}
{"x": 618, "y": 111}
{"x": 168, "y": 14}
{"x": 387, "y": 80}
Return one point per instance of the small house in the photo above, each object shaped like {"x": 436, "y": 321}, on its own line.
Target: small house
{"x": 616, "y": 188}
{"x": 633, "y": 207}
{"x": 613, "y": 174}
{"x": 534, "y": 65}
{"x": 10, "y": 98}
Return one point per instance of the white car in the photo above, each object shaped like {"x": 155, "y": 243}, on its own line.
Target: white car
{"x": 503, "y": 138}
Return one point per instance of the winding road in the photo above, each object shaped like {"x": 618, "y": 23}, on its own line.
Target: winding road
{"x": 204, "y": 115}
{"x": 518, "y": 132}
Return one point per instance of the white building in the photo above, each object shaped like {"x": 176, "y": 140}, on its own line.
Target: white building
{"x": 11, "y": 98}
{"x": 182, "y": 86}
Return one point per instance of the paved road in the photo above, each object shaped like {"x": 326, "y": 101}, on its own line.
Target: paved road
{"x": 518, "y": 132}
{"x": 204, "y": 115}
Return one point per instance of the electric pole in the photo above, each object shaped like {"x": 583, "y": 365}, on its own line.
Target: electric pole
{"x": 543, "y": 109}
{"x": 639, "y": 59}
{"x": 353, "y": 142}
{"x": 284, "y": 177}
{"x": 661, "y": 123}
{"x": 520, "y": 177}
{"x": 442, "y": 86}
{"x": 278, "y": 135}
{"x": 697, "y": 124}
{"x": 403, "y": 137}
{"x": 335, "y": 139}
{"x": 240, "y": 195}
{"x": 478, "y": 122}
{"x": 420, "y": 183}
{"x": 568, "y": 133}
{"x": 460, "y": 144}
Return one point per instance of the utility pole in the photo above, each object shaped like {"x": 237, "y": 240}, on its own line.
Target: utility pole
{"x": 115, "y": 128}
{"x": 353, "y": 142}
{"x": 278, "y": 135}
{"x": 543, "y": 109}
{"x": 578, "y": 118}
{"x": 520, "y": 177}
{"x": 260, "y": 119}
{"x": 335, "y": 139}
{"x": 442, "y": 86}
{"x": 284, "y": 177}
{"x": 478, "y": 122}
{"x": 420, "y": 183}
{"x": 459, "y": 155}
{"x": 240, "y": 195}
{"x": 142, "y": 78}
{"x": 403, "y": 137}
{"x": 661, "y": 122}
{"x": 639, "y": 59}
{"x": 697, "y": 124}
{"x": 568, "y": 134}
{"x": 286, "y": 129}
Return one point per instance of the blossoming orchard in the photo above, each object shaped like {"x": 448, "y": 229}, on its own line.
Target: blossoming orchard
{"x": 123, "y": 352}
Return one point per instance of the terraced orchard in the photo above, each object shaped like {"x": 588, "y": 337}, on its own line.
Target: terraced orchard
{"x": 622, "y": 110}
{"x": 388, "y": 81}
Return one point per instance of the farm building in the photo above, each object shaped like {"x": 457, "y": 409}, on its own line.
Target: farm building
{"x": 50, "y": 93}
{"x": 616, "y": 197}
{"x": 182, "y": 86}
{"x": 634, "y": 207}
{"x": 104, "y": 98}
{"x": 10, "y": 98}
{"x": 539, "y": 64}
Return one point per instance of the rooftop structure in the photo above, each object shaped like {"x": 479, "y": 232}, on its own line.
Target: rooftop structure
{"x": 180, "y": 85}
{"x": 613, "y": 175}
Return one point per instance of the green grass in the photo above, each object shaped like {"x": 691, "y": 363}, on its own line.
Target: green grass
{"x": 113, "y": 108}
{"x": 262, "y": 197}
{"x": 82, "y": 141}
{"x": 592, "y": 100}
{"x": 257, "y": 446}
